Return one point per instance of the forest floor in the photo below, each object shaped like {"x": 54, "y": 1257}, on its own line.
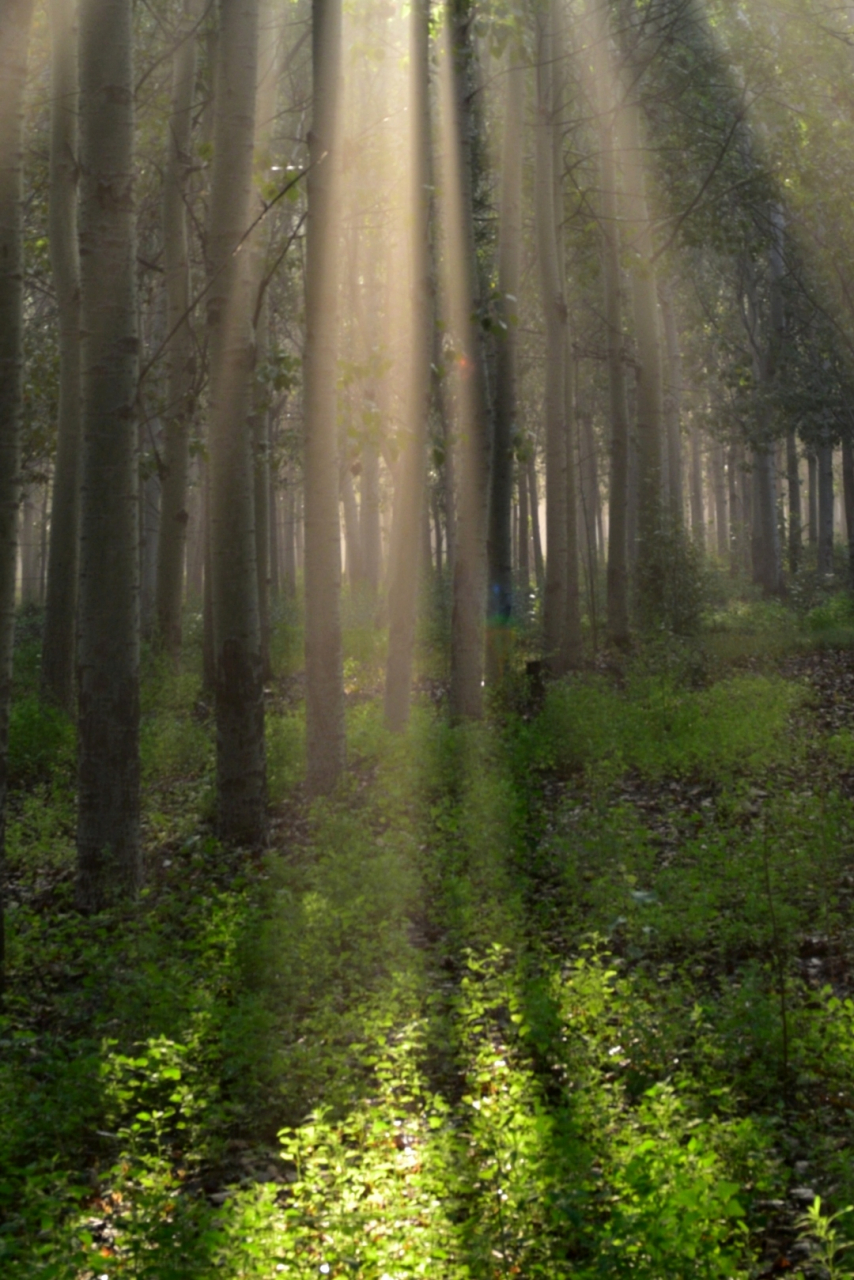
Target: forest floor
{"x": 568, "y": 993}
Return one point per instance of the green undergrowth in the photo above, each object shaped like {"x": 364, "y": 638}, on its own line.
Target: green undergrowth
{"x": 526, "y": 1002}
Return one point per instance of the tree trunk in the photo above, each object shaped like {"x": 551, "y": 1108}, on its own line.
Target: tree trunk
{"x": 57, "y": 669}
{"x": 698, "y": 524}
{"x": 238, "y": 670}
{"x": 765, "y": 541}
{"x": 539, "y": 561}
{"x": 672, "y": 407}
{"x": 848, "y": 498}
{"x": 719, "y": 478}
{"x": 555, "y": 316}
{"x": 469, "y": 586}
{"x": 108, "y": 837}
{"x": 509, "y": 246}
{"x": 352, "y": 532}
{"x": 524, "y": 534}
{"x": 325, "y": 742}
{"x": 410, "y": 508}
{"x": 825, "y": 508}
{"x": 812, "y": 497}
{"x": 645, "y": 306}
{"x": 29, "y": 548}
{"x": 794, "y": 486}
{"x": 369, "y": 517}
{"x": 180, "y": 397}
{"x": 149, "y": 529}
{"x": 14, "y": 35}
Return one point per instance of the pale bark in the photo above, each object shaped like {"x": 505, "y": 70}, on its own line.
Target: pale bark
{"x": 410, "y": 507}
{"x": 848, "y": 499}
{"x": 524, "y": 533}
{"x": 14, "y": 34}
{"x": 172, "y": 539}
{"x": 555, "y": 317}
{"x": 509, "y": 247}
{"x": 647, "y": 337}
{"x": 325, "y": 742}
{"x": 469, "y": 582}
{"x": 108, "y": 836}
{"x": 238, "y": 671}
{"x": 825, "y": 508}
{"x": 352, "y": 532}
{"x": 793, "y": 481}
{"x": 539, "y": 562}
{"x": 617, "y": 571}
{"x": 57, "y": 669}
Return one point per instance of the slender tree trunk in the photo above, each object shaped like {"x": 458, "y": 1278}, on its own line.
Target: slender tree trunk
{"x": 719, "y": 479}
{"x": 469, "y": 586}
{"x": 673, "y": 407}
{"x": 29, "y": 547}
{"x": 273, "y": 515}
{"x": 539, "y": 561}
{"x": 410, "y": 508}
{"x": 57, "y": 671}
{"x": 524, "y": 533}
{"x": 238, "y": 668}
{"x": 698, "y": 524}
{"x": 290, "y": 565}
{"x": 848, "y": 498}
{"x": 793, "y": 480}
{"x": 735, "y": 514}
{"x": 108, "y": 837}
{"x": 352, "y": 532}
{"x": 149, "y": 530}
{"x": 555, "y": 316}
{"x": 509, "y": 246}
{"x": 617, "y": 573}
{"x": 647, "y": 329}
{"x": 825, "y": 508}
{"x": 323, "y": 661}
{"x": 369, "y": 517}
{"x": 14, "y": 36}
{"x": 172, "y": 542}
{"x": 812, "y": 497}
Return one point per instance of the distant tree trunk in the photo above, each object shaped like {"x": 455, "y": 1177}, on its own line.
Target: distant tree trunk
{"x": 555, "y": 315}
{"x": 736, "y": 519}
{"x": 469, "y": 586}
{"x": 765, "y": 543}
{"x": 369, "y": 517}
{"x": 172, "y": 542}
{"x": 290, "y": 564}
{"x": 698, "y": 524}
{"x": 108, "y": 836}
{"x": 352, "y": 532}
{"x": 825, "y": 508}
{"x": 410, "y": 508}
{"x": 794, "y": 486}
{"x": 719, "y": 480}
{"x": 618, "y": 572}
{"x": 273, "y": 505}
{"x": 14, "y": 35}
{"x": 539, "y": 562}
{"x": 325, "y": 742}
{"x": 509, "y": 246}
{"x": 672, "y": 407}
{"x": 524, "y": 532}
{"x": 149, "y": 527}
{"x": 57, "y": 671}
{"x": 29, "y": 547}
{"x": 848, "y": 498}
{"x": 812, "y": 497}
{"x": 238, "y": 668}
{"x": 647, "y": 329}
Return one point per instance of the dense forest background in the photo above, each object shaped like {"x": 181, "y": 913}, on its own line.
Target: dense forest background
{"x": 426, "y": 638}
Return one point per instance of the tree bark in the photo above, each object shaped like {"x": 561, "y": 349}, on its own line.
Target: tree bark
{"x": 180, "y": 397}
{"x": 238, "y": 670}
{"x": 812, "y": 497}
{"x": 719, "y": 479}
{"x": 825, "y": 508}
{"x": 509, "y": 246}
{"x": 848, "y": 498}
{"x": 672, "y": 407}
{"x": 793, "y": 481}
{"x": 410, "y": 509}
{"x": 539, "y": 560}
{"x": 325, "y": 741}
{"x": 58, "y": 645}
{"x": 108, "y": 836}
{"x": 698, "y": 522}
{"x": 469, "y": 584}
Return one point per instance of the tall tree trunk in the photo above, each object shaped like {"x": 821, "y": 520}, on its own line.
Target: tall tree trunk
{"x": 410, "y": 509}
{"x": 149, "y": 528}
{"x": 719, "y": 479}
{"x": 108, "y": 836}
{"x": 352, "y": 532}
{"x": 848, "y": 498}
{"x": 793, "y": 480}
{"x": 57, "y": 670}
{"x": 238, "y": 671}
{"x": 369, "y": 517}
{"x": 825, "y": 508}
{"x": 812, "y": 497}
{"x": 617, "y": 572}
{"x": 673, "y": 407}
{"x": 698, "y": 524}
{"x": 323, "y": 661}
{"x": 469, "y": 586}
{"x": 647, "y": 330}
{"x": 172, "y": 540}
{"x": 28, "y": 540}
{"x": 14, "y": 35}
{"x": 555, "y": 316}
{"x": 539, "y": 560}
{"x": 290, "y": 565}
{"x": 524, "y": 533}
{"x": 509, "y": 247}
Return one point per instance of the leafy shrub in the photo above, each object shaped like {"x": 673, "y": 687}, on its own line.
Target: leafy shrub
{"x": 41, "y": 742}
